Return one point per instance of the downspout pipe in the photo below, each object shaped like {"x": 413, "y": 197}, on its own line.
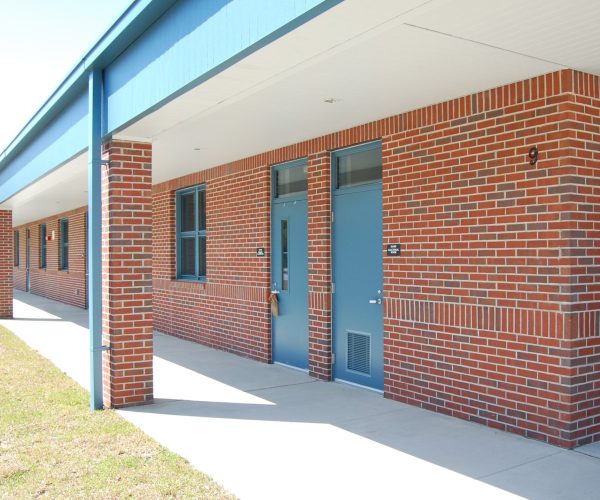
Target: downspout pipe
{"x": 94, "y": 229}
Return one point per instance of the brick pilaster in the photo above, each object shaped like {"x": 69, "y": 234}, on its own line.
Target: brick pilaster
{"x": 6, "y": 264}
{"x": 127, "y": 273}
{"x": 319, "y": 265}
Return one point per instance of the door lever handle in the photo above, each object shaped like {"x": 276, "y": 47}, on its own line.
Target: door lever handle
{"x": 374, "y": 301}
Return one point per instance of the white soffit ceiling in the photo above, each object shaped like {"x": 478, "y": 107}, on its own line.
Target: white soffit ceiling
{"x": 63, "y": 189}
{"x": 374, "y": 61}
{"x": 370, "y": 80}
{"x": 563, "y": 32}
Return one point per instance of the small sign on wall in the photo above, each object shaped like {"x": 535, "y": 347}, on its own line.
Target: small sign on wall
{"x": 260, "y": 252}
{"x": 393, "y": 249}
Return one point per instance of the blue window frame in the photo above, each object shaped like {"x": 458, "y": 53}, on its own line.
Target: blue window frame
{"x": 43, "y": 246}
{"x": 191, "y": 233}
{"x": 64, "y": 244}
{"x": 16, "y": 249}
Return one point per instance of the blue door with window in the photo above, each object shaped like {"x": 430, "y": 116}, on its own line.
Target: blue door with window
{"x": 289, "y": 264}
{"x": 358, "y": 266}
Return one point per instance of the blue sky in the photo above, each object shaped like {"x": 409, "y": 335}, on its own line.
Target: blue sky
{"x": 40, "y": 42}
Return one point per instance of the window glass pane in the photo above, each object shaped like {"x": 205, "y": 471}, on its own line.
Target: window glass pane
{"x": 64, "y": 247}
{"x": 359, "y": 168}
{"x": 188, "y": 256}
{"x": 16, "y": 248}
{"x": 187, "y": 212}
{"x": 65, "y": 231}
{"x": 285, "y": 270}
{"x": 191, "y": 237}
{"x": 291, "y": 180}
{"x": 43, "y": 245}
{"x": 201, "y": 210}
{"x": 201, "y": 256}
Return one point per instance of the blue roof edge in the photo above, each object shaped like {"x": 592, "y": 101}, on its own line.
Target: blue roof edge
{"x": 128, "y": 26}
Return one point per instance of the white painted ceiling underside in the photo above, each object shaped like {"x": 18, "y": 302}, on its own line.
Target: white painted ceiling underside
{"x": 376, "y": 58}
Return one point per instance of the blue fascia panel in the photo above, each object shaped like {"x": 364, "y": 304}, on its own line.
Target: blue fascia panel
{"x": 64, "y": 138}
{"x": 193, "y": 41}
{"x": 155, "y": 51}
{"x": 125, "y": 30}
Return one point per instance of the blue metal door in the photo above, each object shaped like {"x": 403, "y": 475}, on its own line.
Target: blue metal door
{"x": 358, "y": 273}
{"x": 289, "y": 276}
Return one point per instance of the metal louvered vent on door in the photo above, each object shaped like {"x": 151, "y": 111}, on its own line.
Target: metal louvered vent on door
{"x": 359, "y": 353}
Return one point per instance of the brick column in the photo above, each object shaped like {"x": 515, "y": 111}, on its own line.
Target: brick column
{"x": 127, "y": 273}
{"x": 319, "y": 265}
{"x": 6, "y": 264}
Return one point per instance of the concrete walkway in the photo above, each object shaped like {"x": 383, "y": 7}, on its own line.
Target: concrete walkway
{"x": 266, "y": 431}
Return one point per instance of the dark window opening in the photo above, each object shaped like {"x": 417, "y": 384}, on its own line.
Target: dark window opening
{"x": 292, "y": 180}
{"x": 360, "y": 167}
{"x": 42, "y": 246}
{"x": 16, "y": 249}
{"x": 64, "y": 244}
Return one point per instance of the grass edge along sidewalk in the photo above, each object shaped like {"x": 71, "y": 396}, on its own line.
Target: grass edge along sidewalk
{"x": 52, "y": 446}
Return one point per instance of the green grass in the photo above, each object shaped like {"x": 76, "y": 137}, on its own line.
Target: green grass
{"x": 52, "y": 446}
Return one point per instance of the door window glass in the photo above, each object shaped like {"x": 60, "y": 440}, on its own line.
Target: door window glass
{"x": 285, "y": 270}
{"x": 358, "y": 168}
{"x": 291, "y": 180}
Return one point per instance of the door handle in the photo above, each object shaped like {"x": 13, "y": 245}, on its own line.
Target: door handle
{"x": 374, "y": 301}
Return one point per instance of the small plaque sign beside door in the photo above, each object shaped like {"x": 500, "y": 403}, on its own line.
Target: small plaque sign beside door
{"x": 260, "y": 252}
{"x": 393, "y": 249}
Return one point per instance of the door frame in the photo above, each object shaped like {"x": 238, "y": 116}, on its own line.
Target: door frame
{"x": 347, "y": 151}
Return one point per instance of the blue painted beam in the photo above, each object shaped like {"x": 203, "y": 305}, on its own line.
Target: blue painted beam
{"x": 125, "y": 30}
{"x": 95, "y": 237}
{"x": 194, "y": 41}
{"x": 62, "y": 139}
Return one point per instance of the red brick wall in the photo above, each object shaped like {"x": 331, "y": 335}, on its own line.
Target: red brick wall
{"x": 491, "y": 311}
{"x": 127, "y": 274}
{"x": 319, "y": 265}
{"x": 583, "y": 313}
{"x": 6, "y": 264}
{"x": 230, "y": 310}
{"x": 478, "y": 305}
{"x": 69, "y": 285}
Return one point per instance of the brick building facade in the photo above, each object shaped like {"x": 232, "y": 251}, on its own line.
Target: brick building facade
{"x": 67, "y": 285}
{"x": 490, "y": 310}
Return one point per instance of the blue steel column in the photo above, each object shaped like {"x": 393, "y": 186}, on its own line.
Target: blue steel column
{"x": 95, "y": 237}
